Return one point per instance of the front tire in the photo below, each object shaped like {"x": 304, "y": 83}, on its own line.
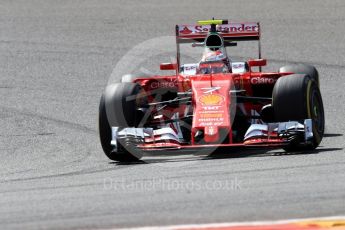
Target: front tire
{"x": 118, "y": 108}
{"x": 297, "y": 97}
{"x": 104, "y": 129}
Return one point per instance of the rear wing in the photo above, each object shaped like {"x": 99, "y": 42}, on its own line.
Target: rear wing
{"x": 246, "y": 31}
{"x": 230, "y": 31}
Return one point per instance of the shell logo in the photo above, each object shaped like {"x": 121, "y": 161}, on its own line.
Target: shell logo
{"x": 211, "y": 99}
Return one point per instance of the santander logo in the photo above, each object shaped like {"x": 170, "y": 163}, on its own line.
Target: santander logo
{"x": 224, "y": 29}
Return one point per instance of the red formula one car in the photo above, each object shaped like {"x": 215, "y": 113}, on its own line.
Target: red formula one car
{"x": 217, "y": 102}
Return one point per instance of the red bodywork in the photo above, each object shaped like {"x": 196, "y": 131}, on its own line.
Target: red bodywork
{"x": 211, "y": 111}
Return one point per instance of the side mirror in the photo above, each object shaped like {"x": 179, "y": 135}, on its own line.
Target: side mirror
{"x": 168, "y": 66}
{"x": 257, "y": 62}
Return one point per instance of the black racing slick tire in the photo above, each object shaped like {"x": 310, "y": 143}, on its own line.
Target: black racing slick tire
{"x": 104, "y": 128}
{"x": 118, "y": 108}
{"x": 297, "y": 97}
{"x": 302, "y": 69}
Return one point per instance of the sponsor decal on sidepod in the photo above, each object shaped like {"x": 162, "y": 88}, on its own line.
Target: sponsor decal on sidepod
{"x": 260, "y": 80}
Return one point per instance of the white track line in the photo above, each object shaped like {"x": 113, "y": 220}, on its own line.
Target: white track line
{"x": 233, "y": 224}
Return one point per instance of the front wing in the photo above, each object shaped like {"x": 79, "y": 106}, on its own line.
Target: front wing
{"x": 269, "y": 136}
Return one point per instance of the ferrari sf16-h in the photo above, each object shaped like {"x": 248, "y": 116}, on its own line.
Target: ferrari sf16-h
{"x": 214, "y": 103}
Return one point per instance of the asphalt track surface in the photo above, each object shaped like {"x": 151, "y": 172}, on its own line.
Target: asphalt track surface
{"x": 55, "y": 60}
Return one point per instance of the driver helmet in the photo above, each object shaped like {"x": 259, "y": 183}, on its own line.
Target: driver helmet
{"x": 212, "y": 55}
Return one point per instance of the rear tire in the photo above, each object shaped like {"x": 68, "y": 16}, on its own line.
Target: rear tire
{"x": 302, "y": 69}
{"x": 297, "y": 97}
{"x": 118, "y": 108}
